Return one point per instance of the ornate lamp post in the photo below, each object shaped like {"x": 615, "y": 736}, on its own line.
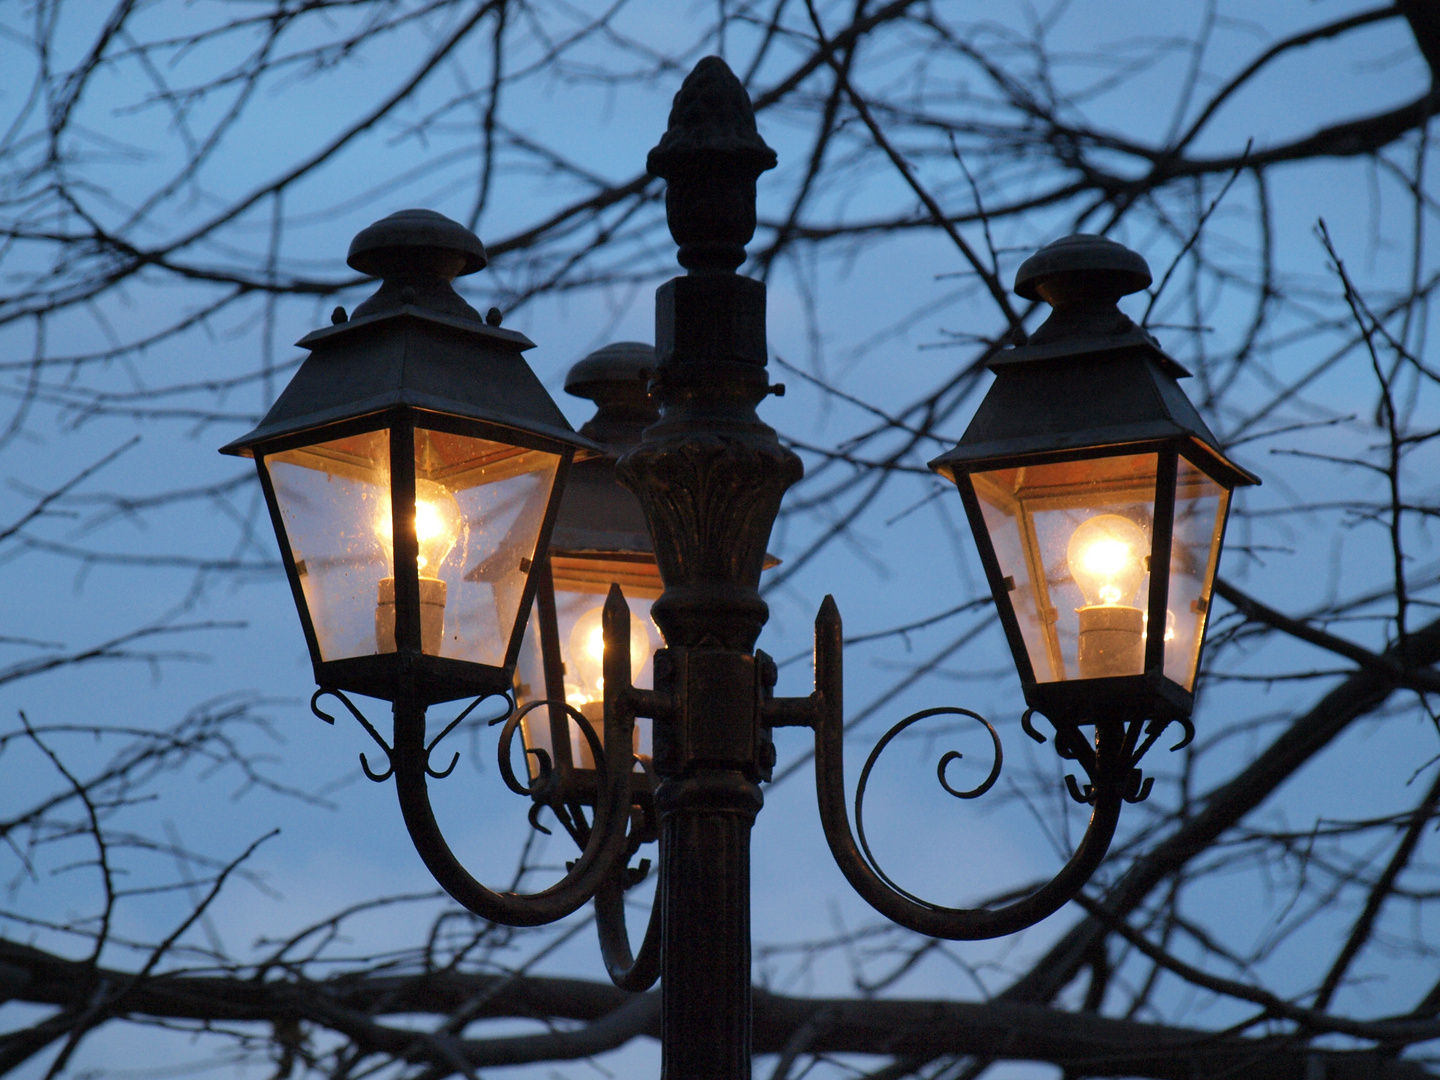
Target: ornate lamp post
{"x": 1097, "y": 496}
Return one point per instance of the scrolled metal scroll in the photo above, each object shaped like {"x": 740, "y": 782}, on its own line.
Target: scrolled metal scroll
{"x": 539, "y": 788}
{"x": 389, "y": 752}
{"x": 628, "y": 970}
{"x": 606, "y": 839}
{"x": 945, "y": 761}
{"x": 1071, "y": 746}
{"x": 1108, "y": 764}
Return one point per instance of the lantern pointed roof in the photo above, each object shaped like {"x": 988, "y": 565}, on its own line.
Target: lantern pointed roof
{"x": 415, "y": 343}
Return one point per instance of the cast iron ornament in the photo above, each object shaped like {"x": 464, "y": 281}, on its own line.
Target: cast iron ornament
{"x": 709, "y": 475}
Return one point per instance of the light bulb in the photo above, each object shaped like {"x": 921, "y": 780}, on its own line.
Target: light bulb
{"x": 585, "y": 656}
{"x": 438, "y": 524}
{"x": 1107, "y": 559}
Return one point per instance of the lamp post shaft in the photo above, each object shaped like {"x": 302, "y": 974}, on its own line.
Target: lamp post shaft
{"x": 709, "y": 475}
{"x": 705, "y": 925}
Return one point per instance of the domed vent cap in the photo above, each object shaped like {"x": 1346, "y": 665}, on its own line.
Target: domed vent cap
{"x": 417, "y": 254}
{"x": 616, "y": 379}
{"x": 1081, "y": 267}
{"x": 405, "y": 234}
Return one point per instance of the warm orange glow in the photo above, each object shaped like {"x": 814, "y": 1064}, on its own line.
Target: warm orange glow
{"x": 438, "y": 524}
{"x": 1107, "y": 559}
{"x": 584, "y": 656}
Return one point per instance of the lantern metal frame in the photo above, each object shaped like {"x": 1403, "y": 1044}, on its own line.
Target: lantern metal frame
{"x": 1151, "y": 694}
{"x": 1090, "y": 385}
{"x": 599, "y": 529}
{"x": 415, "y": 357}
{"x": 709, "y": 476}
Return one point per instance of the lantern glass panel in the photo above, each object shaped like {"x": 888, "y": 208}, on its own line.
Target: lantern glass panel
{"x": 581, "y": 585}
{"x": 329, "y": 496}
{"x": 1200, "y": 506}
{"x": 479, "y": 509}
{"x": 1073, "y": 539}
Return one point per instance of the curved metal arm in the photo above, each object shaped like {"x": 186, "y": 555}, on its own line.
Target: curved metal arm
{"x": 626, "y": 970}
{"x": 604, "y": 851}
{"x": 1111, "y": 769}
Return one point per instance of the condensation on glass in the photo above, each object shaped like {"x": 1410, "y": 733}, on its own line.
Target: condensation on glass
{"x": 478, "y": 511}
{"x": 330, "y": 496}
{"x": 1073, "y": 542}
{"x": 1074, "y": 539}
{"x": 581, "y": 585}
{"x": 1200, "y": 512}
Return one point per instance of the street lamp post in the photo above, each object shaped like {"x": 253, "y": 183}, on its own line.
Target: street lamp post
{"x": 1097, "y": 496}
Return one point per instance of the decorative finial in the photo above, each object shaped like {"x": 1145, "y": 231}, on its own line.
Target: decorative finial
{"x": 1082, "y": 277}
{"x": 710, "y": 156}
{"x": 417, "y": 254}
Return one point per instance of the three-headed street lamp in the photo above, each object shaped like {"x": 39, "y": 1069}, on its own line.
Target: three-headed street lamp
{"x": 421, "y": 486}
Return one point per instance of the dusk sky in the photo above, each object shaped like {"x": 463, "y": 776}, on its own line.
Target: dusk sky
{"x": 878, "y": 319}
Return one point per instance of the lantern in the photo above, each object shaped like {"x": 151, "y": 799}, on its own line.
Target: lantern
{"x": 412, "y": 470}
{"x": 600, "y": 538}
{"x": 1098, "y": 497}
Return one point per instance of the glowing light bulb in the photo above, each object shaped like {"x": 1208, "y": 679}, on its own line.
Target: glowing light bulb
{"x": 1106, "y": 555}
{"x": 1107, "y": 559}
{"x": 438, "y": 523}
{"x": 585, "y": 656}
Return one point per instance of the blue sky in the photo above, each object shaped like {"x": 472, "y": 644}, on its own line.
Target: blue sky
{"x": 881, "y": 313}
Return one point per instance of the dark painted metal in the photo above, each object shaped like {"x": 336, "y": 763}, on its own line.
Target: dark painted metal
{"x": 1108, "y": 766}
{"x": 1073, "y": 265}
{"x": 413, "y": 355}
{"x": 597, "y": 513}
{"x": 596, "y": 863}
{"x": 1089, "y": 377}
{"x": 554, "y": 673}
{"x": 1162, "y": 529}
{"x": 710, "y": 475}
{"x": 414, "y": 343}
{"x": 627, "y": 970}
{"x": 1089, "y": 384}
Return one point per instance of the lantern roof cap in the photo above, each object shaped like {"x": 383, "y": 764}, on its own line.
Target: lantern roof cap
{"x": 1082, "y": 266}
{"x": 620, "y": 368}
{"x": 416, "y": 344}
{"x": 616, "y": 378}
{"x": 417, "y": 254}
{"x": 1089, "y": 379}
{"x": 409, "y": 235}
{"x": 1082, "y": 277}
{"x": 598, "y": 515}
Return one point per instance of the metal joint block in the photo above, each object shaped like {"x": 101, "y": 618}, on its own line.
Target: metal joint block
{"x": 716, "y": 718}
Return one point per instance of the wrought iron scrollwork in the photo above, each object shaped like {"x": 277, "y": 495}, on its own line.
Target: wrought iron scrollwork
{"x": 946, "y": 759}
{"x": 389, "y": 752}
{"x": 608, "y": 840}
{"x": 546, "y": 789}
{"x": 381, "y": 777}
{"x": 1108, "y": 763}
{"x": 1071, "y": 745}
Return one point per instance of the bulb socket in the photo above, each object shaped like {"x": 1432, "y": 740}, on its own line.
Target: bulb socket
{"x": 432, "y": 616}
{"x": 1112, "y": 641}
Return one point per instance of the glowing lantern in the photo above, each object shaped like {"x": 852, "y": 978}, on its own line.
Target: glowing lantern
{"x": 1098, "y": 497}
{"x": 412, "y": 469}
